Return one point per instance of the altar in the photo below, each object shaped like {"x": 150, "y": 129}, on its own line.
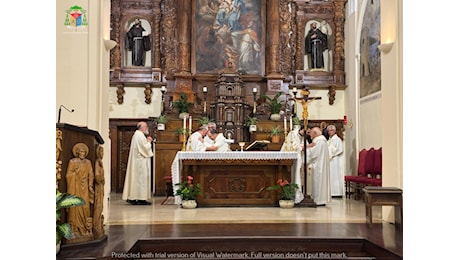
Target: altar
{"x": 237, "y": 178}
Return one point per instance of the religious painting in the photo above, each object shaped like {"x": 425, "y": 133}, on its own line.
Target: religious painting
{"x": 229, "y": 33}
{"x": 319, "y": 46}
{"x": 370, "y": 71}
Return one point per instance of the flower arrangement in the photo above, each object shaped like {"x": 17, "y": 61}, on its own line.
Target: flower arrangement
{"x": 286, "y": 189}
{"x": 187, "y": 190}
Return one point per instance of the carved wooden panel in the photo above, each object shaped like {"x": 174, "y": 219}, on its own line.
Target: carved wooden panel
{"x": 225, "y": 183}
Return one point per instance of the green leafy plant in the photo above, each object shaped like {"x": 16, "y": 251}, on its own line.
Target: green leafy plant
{"x": 274, "y": 104}
{"x": 182, "y": 104}
{"x": 161, "y": 119}
{"x": 187, "y": 189}
{"x": 204, "y": 120}
{"x": 251, "y": 121}
{"x": 275, "y": 131}
{"x": 286, "y": 189}
{"x": 63, "y": 201}
{"x": 296, "y": 121}
{"x": 181, "y": 131}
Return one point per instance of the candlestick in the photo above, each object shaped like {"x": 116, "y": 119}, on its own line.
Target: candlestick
{"x": 254, "y": 91}
{"x": 163, "y": 90}
{"x": 185, "y": 124}
{"x": 205, "y": 93}
{"x": 285, "y": 124}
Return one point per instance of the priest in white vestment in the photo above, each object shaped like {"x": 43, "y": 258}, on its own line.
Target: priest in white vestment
{"x": 195, "y": 142}
{"x": 336, "y": 161}
{"x": 318, "y": 159}
{"x": 207, "y": 140}
{"x": 218, "y": 141}
{"x": 137, "y": 187}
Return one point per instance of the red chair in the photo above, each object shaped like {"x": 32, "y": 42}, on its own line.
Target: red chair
{"x": 351, "y": 181}
{"x": 376, "y": 179}
{"x": 374, "y": 172}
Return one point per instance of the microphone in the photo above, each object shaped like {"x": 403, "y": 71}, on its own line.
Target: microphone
{"x": 59, "y": 114}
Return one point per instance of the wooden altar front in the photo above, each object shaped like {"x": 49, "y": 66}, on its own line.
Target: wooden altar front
{"x": 237, "y": 178}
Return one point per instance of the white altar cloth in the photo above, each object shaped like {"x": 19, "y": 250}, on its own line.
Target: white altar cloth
{"x": 176, "y": 166}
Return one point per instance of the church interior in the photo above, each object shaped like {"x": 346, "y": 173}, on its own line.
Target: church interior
{"x": 230, "y": 61}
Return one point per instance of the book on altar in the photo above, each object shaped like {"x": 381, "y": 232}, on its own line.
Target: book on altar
{"x": 257, "y": 145}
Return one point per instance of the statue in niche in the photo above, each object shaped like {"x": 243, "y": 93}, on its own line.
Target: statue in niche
{"x": 318, "y": 46}
{"x": 138, "y": 42}
{"x": 315, "y": 44}
{"x": 80, "y": 182}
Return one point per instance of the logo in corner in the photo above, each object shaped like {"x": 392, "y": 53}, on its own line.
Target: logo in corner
{"x": 76, "y": 18}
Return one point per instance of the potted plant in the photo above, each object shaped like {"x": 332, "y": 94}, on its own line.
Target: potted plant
{"x": 63, "y": 229}
{"x": 182, "y": 105}
{"x": 252, "y": 122}
{"x": 275, "y": 106}
{"x": 182, "y": 133}
{"x": 188, "y": 192}
{"x": 161, "y": 121}
{"x": 275, "y": 133}
{"x": 287, "y": 192}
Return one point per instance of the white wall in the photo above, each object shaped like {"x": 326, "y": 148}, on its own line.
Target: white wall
{"x": 134, "y": 105}
{"x": 82, "y": 66}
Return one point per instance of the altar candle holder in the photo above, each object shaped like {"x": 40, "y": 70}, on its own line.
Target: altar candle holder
{"x": 163, "y": 91}
{"x": 205, "y": 94}
{"x": 294, "y": 91}
{"x": 254, "y": 92}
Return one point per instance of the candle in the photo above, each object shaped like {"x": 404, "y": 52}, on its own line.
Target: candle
{"x": 290, "y": 123}
{"x": 254, "y": 90}
{"x": 185, "y": 124}
{"x": 285, "y": 125}
{"x": 294, "y": 89}
{"x": 344, "y": 120}
{"x": 205, "y": 89}
{"x": 163, "y": 88}
{"x": 190, "y": 122}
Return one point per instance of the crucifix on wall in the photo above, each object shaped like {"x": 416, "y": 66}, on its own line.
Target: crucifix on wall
{"x": 305, "y": 100}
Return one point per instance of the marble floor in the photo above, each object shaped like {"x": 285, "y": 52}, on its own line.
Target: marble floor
{"x": 338, "y": 211}
{"x": 342, "y": 220}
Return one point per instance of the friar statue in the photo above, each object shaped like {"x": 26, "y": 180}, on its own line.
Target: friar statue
{"x": 138, "y": 42}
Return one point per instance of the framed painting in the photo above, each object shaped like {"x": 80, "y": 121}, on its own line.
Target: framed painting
{"x": 370, "y": 70}
{"x": 228, "y": 33}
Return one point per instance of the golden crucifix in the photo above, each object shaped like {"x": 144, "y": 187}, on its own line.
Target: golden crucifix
{"x": 304, "y": 101}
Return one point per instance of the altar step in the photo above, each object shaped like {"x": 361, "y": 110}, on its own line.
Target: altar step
{"x": 279, "y": 247}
